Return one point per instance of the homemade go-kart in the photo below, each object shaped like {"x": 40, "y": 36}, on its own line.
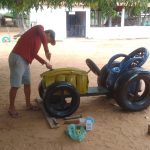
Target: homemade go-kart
{"x": 126, "y": 81}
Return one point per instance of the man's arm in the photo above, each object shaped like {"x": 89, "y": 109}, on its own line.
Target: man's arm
{"x": 41, "y": 33}
{"x": 43, "y": 62}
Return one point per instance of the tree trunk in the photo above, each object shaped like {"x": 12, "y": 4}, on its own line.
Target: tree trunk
{"x": 21, "y": 24}
{"x": 109, "y": 21}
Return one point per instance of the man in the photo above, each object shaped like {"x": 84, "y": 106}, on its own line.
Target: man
{"x": 21, "y": 56}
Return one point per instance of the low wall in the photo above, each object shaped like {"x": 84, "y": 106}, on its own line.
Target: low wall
{"x": 128, "y": 32}
{"x": 9, "y": 29}
{"x": 119, "y": 32}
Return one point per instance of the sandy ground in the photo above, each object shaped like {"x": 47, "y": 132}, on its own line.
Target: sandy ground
{"x": 113, "y": 130}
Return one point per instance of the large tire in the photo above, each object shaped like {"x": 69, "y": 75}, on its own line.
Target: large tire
{"x": 61, "y": 99}
{"x": 133, "y": 100}
{"x": 41, "y": 89}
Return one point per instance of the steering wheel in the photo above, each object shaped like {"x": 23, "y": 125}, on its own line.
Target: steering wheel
{"x": 112, "y": 60}
{"x": 135, "y": 59}
{"x": 93, "y": 67}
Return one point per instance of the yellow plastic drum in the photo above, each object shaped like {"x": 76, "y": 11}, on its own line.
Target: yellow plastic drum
{"x": 77, "y": 77}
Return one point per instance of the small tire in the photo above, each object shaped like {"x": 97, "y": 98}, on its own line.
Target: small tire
{"x": 139, "y": 52}
{"x": 101, "y": 80}
{"x": 93, "y": 67}
{"x": 61, "y": 99}
{"x": 41, "y": 89}
{"x": 126, "y": 99}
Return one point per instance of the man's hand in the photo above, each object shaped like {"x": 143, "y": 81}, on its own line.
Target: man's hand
{"x": 48, "y": 55}
{"x": 48, "y": 66}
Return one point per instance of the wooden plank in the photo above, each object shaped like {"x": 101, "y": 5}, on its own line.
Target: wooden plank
{"x": 51, "y": 120}
{"x": 94, "y": 91}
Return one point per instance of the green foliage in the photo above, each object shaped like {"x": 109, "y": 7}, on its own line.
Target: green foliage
{"x": 9, "y": 14}
{"x": 107, "y": 7}
{"x": 134, "y": 7}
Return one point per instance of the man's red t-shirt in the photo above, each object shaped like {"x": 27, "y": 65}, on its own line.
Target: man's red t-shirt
{"x": 30, "y": 42}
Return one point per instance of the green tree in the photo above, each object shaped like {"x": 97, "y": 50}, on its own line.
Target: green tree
{"x": 107, "y": 7}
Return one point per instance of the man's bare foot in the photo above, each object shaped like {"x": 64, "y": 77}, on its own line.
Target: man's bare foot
{"x": 32, "y": 108}
{"x": 13, "y": 113}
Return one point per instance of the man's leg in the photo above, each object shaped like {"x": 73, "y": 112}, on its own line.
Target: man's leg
{"x": 12, "y": 95}
{"x": 16, "y": 71}
{"x": 26, "y": 80}
{"x": 27, "y": 92}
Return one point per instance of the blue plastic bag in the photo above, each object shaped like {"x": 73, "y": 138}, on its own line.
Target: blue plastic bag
{"x": 76, "y": 132}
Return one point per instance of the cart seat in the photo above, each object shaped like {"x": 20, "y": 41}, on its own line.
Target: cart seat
{"x": 77, "y": 77}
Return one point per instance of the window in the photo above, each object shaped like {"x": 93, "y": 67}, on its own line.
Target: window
{"x": 95, "y": 18}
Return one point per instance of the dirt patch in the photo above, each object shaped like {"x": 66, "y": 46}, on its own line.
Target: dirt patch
{"x": 113, "y": 130}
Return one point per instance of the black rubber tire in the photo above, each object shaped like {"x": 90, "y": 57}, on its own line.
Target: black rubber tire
{"x": 55, "y": 99}
{"x": 93, "y": 67}
{"x": 41, "y": 89}
{"x": 139, "y": 52}
{"x": 127, "y": 100}
{"x": 101, "y": 80}
{"x": 112, "y": 60}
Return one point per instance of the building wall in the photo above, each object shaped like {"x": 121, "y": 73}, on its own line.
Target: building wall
{"x": 51, "y": 19}
{"x": 56, "y": 19}
{"x": 127, "y": 32}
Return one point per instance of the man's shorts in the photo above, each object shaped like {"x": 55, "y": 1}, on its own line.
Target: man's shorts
{"x": 19, "y": 70}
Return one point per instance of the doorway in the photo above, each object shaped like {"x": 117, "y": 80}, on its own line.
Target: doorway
{"x": 76, "y": 24}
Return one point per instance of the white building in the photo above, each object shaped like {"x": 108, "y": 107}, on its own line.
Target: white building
{"x": 78, "y": 23}
{"x": 64, "y": 23}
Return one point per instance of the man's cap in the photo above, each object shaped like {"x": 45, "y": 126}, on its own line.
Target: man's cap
{"x": 52, "y": 35}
